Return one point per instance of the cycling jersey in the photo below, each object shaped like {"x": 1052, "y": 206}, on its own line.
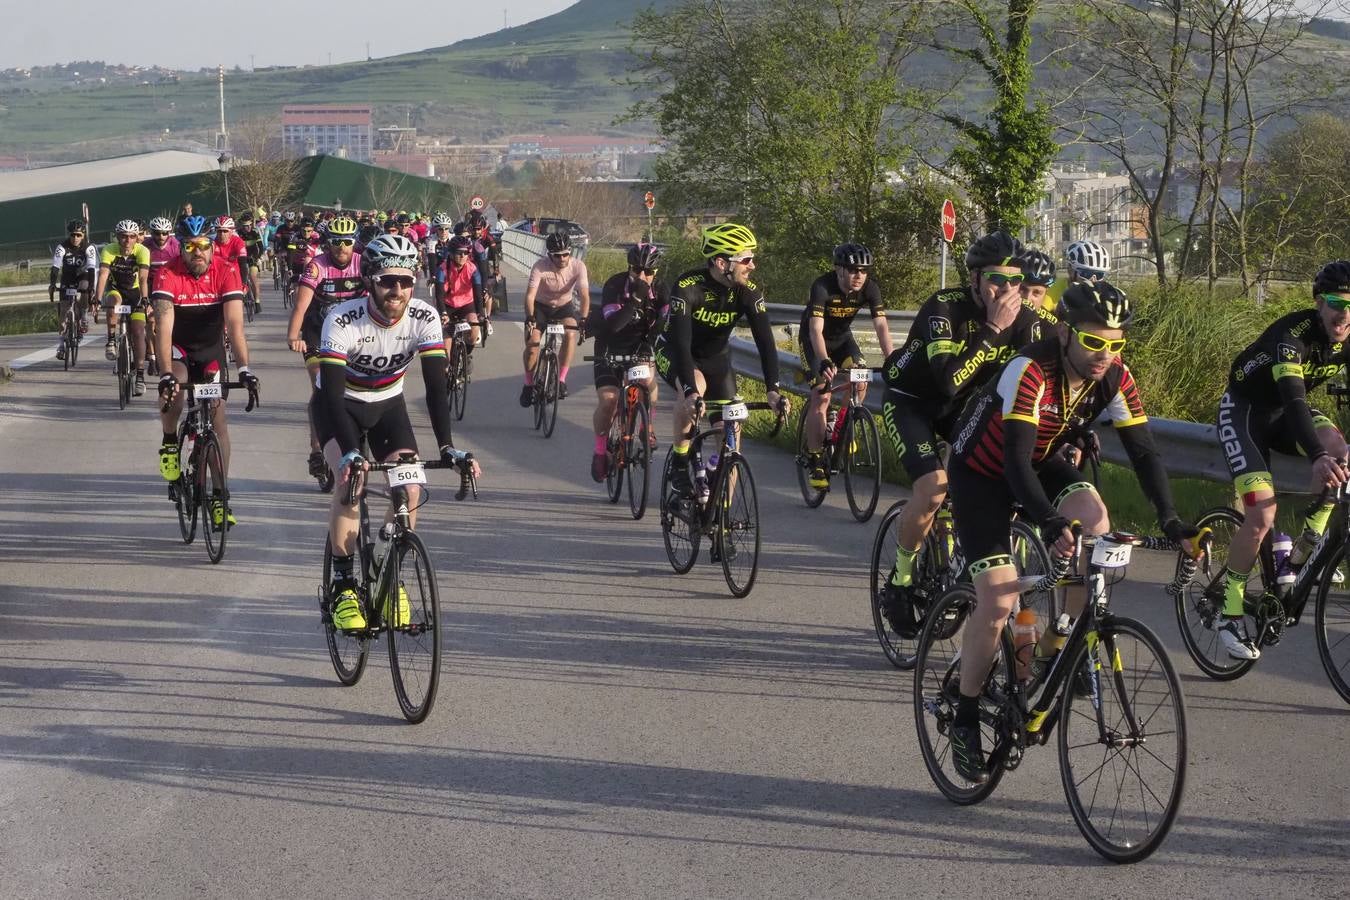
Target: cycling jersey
{"x": 299, "y": 252}
{"x": 330, "y": 282}
{"x": 703, "y": 314}
{"x": 462, "y": 287}
{"x": 1017, "y": 421}
{"x": 232, "y": 250}
{"x": 199, "y": 302}
{"x": 71, "y": 264}
{"x": 632, "y": 312}
{"x": 837, "y": 307}
{"x": 553, "y": 287}
{"x": 254, "y": 244}
{"x": 159, "y": 256}
{"x": 124, "y": 271}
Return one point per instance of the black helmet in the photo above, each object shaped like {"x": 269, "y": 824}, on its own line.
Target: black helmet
{"x": 1037, "y": 267}
{"x": 644, "y": 256}
{"x": 997, "y": 248}
{"x": 558, "y": 242}
{"x": 461, "y": 243}
{"x": 306, "y": 223}
{"x": 1099, "y": 303}
{"x": 853, "y": 256}
{"x": 1333, "y": 278}
{"x": 75, "y": 225}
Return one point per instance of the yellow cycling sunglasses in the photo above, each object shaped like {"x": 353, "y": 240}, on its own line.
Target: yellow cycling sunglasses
{"x": 1094, "y": 343}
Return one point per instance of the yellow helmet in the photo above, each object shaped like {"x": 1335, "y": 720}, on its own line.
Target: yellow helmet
{"x": 728, "y": 239}
{"x": 342, "y": 226}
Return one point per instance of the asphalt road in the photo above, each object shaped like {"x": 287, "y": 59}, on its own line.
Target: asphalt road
{"x": 604, "y": 727}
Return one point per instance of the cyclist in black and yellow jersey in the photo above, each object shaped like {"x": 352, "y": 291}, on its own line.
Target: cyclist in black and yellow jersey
{"x": 1038, "y": 277}
{"x": 126, "y": 264}
{"x": 1266, "y": 408}
{"x": 826, "y": 341}
{"x": 959, "y": 339}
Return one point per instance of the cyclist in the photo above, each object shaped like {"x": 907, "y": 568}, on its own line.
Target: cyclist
{"x": 232, "y": 248}
{"x": 198, "y": 297}
{"x": 1266, "y": 407}
{"x": 254, "y": 248}
{"x": 163, "y": 247}
{"x": 959, "y": 338}
{"x": 1005, "y": 452}
{"x": 1038, "y": 276}
{"x": 548, "y": 300}
{"x": 368, "y": 343}
{"x": 436, "y": 250}
{"x": 486, "y": 252}
{"x": 705, "y": 306}
{"x": 633, "y": 308}
{"x": 461, "y": 291}
{"x": 1088, "y": 262}
{"x": 73, "y": 265}
{"x": 332, "y": 277}
{"x": 301, "y": 246}
{"x": 125, "y": 263}
{"x": 825, "y": 340}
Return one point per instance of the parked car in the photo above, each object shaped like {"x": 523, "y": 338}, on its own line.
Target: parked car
{"x": 547, "y": 226}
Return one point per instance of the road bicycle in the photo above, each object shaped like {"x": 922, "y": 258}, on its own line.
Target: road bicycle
{"x": 852, "y": 447}
{"x": 72, "y": 328}
{"x": 631, "y": 441}
{"x": 728, "y": 513}
{"x": 494, "y": 285}
{"x": 458, "y": 368}
{"x": 396, "y": 585}
{"x": 202, "y": 491}
{"x": 546, "y": 374}
{"x": 1110, "y": 688}
{"x": 123, "y": 366}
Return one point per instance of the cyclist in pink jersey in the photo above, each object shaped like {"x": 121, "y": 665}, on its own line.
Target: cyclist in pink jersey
{"x": 163, "y": 247}
{"x": 461, "y": 294}
{"x": 548, "y": 300}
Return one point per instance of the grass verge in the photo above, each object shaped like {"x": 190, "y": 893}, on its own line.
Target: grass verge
{"x": 14, "y": 277}
{"x": 28, "y": 318}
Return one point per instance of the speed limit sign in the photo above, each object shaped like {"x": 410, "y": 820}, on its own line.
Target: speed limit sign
{"x": 477, "y": 202}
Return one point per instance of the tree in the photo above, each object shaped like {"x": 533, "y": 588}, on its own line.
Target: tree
{"x": 262, "y": 174}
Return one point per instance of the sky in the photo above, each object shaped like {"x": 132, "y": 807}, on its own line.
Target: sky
{"x": 243, "y": 32}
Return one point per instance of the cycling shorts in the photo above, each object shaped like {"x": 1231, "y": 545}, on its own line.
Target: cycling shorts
{"x": 982, "y": 508}
{"x": 384, "y": 424}
{"x": 549, "y": 315}
{"x": 132, "y": 298}
{"x": 1247, "y": 434}
{"x": 844, "y": 353}
{"x": 609, "y": 374}
{"x": 914, "y": 433}
{"x": 718, "y": 377}
{"x": 202, "y": 363}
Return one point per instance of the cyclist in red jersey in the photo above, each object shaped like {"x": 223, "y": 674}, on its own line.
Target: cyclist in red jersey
{"x": 231, "y": 248}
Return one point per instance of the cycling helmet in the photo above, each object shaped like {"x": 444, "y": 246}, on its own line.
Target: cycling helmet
{"x": 306, "y": 223}
{"x": 461, "y": 243}
{"x": 341, "y": 227}
{"x": 1101, "y": 303}
{"x": 1088, "y": 258}
{"x": 403, "y": 218}
{"x": 160, "y": 224}
{"x": 191, "y": 227}
{"x": 290, "y": 216}
{"x": 1037, "y": 267}
{"x": 127, "y": 226}
{"x": 389, "y": 251}
{"x": 441, "y": 220}
{"x": 728, "y": 239}
{"x": 75, "y": 225}
{"x": 853, "y": 256}
{"x": 1333, "y": 278}
{"x": 225, "y": 222}
{"x": 368, "y": 233}
{"x": 644, "y": 256}
{"x": 558, "y": 242}
{"x": 997, "y": 248}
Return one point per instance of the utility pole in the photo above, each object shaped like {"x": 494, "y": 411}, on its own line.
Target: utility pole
{"x": 222, "y": 137}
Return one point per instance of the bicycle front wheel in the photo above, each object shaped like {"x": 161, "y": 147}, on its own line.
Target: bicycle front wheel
{"x": 738, "y": 533}
{"x": 412, "y": 615}
{"x": 347, "y": 652}
{"x": 861, "y": 451}
{"x": 459, "y": 380}
{"x": 679, "y": 522}
{"x": 636, "y": 459}
{"x": 812, "y": 497}
{"x": 550, "y": 396}
{"x": 213, "y": 496}
{"x": 930, "y": 580}
{"x": 123, "y": 371}
{"x": 1123, "y": 758}
{"x": 73, "y": 345}
{"x": 1200, "y": 602}
{"x": 1332, "y": 624}
{"x": 616, "y": 450}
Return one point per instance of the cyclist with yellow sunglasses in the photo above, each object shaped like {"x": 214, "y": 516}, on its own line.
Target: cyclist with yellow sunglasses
{"x": 1005, "y": 452}
{"x": 1266, "y": 408}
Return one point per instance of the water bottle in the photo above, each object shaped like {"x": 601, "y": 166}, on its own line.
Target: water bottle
{"x": 837, "y": 425}
{"x": 713, "y": 459}
{"x": 1025, "y": 634}
{"x": 701, "y": 488}
{"x": 1281, "y": 545}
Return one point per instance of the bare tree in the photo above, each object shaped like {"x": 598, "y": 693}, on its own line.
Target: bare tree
{"x": 263, "y": 174}
{"x": 563, "y": 189}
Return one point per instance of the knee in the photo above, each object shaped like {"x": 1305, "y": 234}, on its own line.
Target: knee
{"x": 929, "y": 492}
{"x": 1086, "y": 507}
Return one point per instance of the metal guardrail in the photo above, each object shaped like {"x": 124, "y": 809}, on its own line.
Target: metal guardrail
{"x": 523, "y": 248}
{"x": 1188, "y": 449}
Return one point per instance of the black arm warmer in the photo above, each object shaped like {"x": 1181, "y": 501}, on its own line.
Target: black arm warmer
{"x": 1298, "y": 415}
{"x": 1148, "y": 467}
{"x": 1019, "y": 441}
{"x": 438, "y": 396}
{"x": 332, "y": 394}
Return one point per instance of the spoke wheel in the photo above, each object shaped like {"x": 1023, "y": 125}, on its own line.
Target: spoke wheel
{"x": 414, "y": 644}
{"x": 348, "y": 652}
{"x": 1124, "y": 789}
{"x": 540, "y": 390}
{"x": 123, "y": 372}
{"x": 73, "y": 345}
{"x": 738, "y": 532}
{"x": 210, "y": 474}
{"x": 810, "y": 496}
{"x": 861, "y": 452}
{"x": 616, "y": 451}
{"x": 551, "y": 396}
{"x": 459, "y": 380}
{"x": 931, "y": 579}
{"x": 937, "y": 679}
{"x": 679, "y": 522}
{"x": 636, "y": 459}
{"x": 184, "y": 493}
{"x": 1332, "y": 623}
{"x": 1196, "y": 612}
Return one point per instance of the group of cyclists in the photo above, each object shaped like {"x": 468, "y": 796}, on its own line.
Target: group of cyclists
{"x": 1004, "y": 370}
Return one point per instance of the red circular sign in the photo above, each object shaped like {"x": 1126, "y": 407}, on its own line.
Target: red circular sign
{"x": 948, "y": 221}
{"x": 649, "y": 200}
{"x": 477, "y": 203}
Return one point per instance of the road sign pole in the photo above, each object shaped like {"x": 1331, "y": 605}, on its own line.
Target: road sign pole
{"x": 942, "y": 276}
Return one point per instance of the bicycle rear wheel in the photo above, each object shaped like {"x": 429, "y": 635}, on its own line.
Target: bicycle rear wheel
{"x": 184, "y": 495}
{"x": 501, "y": 293}
{"x": 1124, "y": 766}
{"x": 679, "y": 522}
{"x": 414, "y": 640}
{"x": 616, "y": 451}
{"x": 810, "y": 496}
{"x": 636, "y": 459}
{"x": 937, "y": 679}
{"x": 1200, "y": 602}
{"x": 347, "y": 652}
{"x": 739, "y": 527}
{"x": 1332, "y": 624}
{"x": 212, "y": 488}
{"x": 861, "y": 451}
{"x": 550, "y": 395}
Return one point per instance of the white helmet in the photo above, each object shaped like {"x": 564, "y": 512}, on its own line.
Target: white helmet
{"x": 441, "y": 220}
{"x": 1088, "y": 258}
{"x": 159, "y": 223}
{"x": 128, "y": 226}
{"x": 389, "y": 251}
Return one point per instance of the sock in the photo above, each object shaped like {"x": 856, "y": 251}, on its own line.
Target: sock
{"x": 968, "y": 711}
{"x": 1316, "y": 519}
{"x": 601, "y": 443}
{"x": 342, "y": 568}
{"x": 1235, "y": 587}
{"x": 170, "y": 439}
{"x": 529, "y": 378}
{"x": 562, "y": 375}
{"x": 681, "y": 451}
{"x": 903, "y": 576}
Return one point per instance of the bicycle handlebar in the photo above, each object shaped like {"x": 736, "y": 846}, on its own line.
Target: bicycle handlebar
{"x": 253, "y": 397}
{"x": 461, "y": 461}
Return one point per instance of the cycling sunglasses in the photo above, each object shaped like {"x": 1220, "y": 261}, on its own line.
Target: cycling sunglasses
{"x": 567, "y": 255}
{"x": 1340, "y": 304}
{"x": 742, "y": 260}
{"x": 857, "y": 270}
{"x": 645, "y": 271}
{"x": 461, "y": 253}
{"x": 342, "y": 242}
{"x": 1002, "y": 279}
{"x": 1096, "y": 344}
{"x": 390, "y": 282}
{"x": 199, "y": 244}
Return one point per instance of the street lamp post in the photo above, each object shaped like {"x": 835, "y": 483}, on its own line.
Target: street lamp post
{"x": 224, "y": 160}
{"x": 337, "y": 205}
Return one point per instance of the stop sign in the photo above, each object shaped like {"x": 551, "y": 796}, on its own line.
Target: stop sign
{"x": 649, "y": 200}
{"x": 948, "y": 221}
